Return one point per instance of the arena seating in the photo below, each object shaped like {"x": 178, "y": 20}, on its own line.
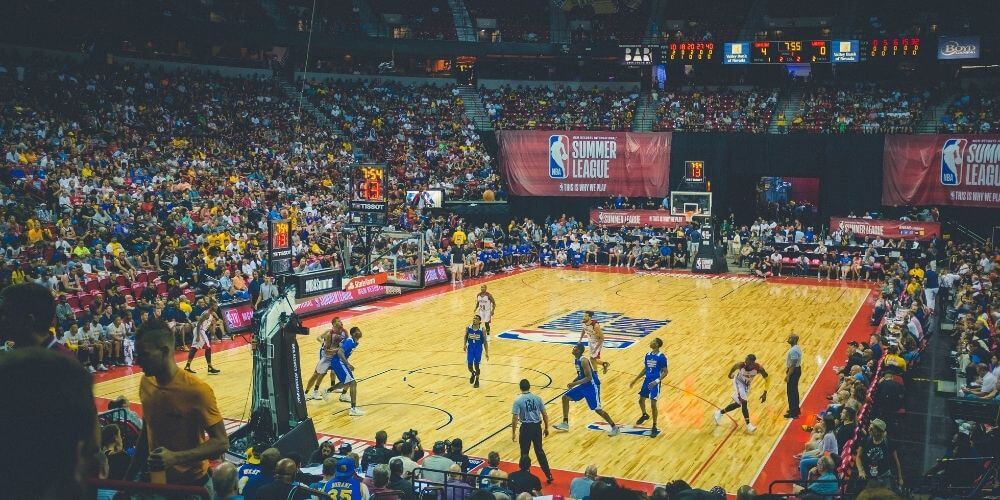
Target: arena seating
{"x": 426, "y": 139}
{"x": 973, "y": 112}
{"x": 864, "y": 109}
{"x": 517, "y": 20}
{"x": 714, "y": 110}
{"x": 563, "y": 108}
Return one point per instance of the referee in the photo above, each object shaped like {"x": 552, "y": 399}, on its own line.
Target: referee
{"x": 530, "y": 410}
{"x": 793, "y": 370}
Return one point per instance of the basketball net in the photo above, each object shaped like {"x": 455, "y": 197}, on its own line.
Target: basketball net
{"x": 689, "y": 217}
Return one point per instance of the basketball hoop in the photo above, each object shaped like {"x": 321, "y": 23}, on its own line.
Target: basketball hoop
{"x": 689, "y": 217}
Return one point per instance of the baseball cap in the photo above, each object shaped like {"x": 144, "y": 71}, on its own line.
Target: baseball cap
{"x": 878, "y": 424}
{"x": 344, "y": 449}
{"x": 253, "y": 458}
{"x": 345, "y": 467}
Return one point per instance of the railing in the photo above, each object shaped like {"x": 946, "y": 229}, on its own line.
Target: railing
{"x": 454, "y": 484}
{"x": 134, "y": 490}
{"x": 968, "y": 233}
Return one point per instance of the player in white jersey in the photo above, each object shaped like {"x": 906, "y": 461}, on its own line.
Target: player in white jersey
{"x": 328, "y": 346}
{"x": 595, "y": 339}
{"x": 743, "y": 375}
{"x": 201, "y": 342}
{"x": 485, "y": 305}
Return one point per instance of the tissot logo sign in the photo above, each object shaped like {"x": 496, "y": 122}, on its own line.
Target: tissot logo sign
{"x": 317, "y": 283}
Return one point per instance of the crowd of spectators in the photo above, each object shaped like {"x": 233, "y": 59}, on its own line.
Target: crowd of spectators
{"x": 714, "y": 110}
{"x": 866, "y": 109}
{"x": 562, "y": 108}
{"x": 976, "y": 111}
{"x": 421, "y": 132}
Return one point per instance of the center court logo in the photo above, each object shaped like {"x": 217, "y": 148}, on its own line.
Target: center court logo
{"x": 952, "y": 155}
{"x": 620, "y": 331}
{"x": 558, "y": 154}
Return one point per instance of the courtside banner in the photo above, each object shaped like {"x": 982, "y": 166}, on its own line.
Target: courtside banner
{"x": 582, "y": 163}
{"x": 888, "y": 229}
{"x": 961, "y": 170}
{"x": 635, "y": 218}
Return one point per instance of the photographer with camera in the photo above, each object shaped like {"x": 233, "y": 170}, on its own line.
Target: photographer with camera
{"x": 410, "y": 437}
{"x": 456, "y": 455}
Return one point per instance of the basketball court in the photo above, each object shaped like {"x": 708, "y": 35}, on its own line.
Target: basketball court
{"x": 413, "y": 374}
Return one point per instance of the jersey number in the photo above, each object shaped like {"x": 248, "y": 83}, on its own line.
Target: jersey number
{"x": 341, "y": 495}
{"x": 530, "y": 405}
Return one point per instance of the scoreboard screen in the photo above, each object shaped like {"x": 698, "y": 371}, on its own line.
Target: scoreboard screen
{"x": 790, "y": 52}
{"x": 878, "y": 48}
{"x": 691, "y": 51}
{"x": 694, "y": 171}
{"x": 279, "y": 247}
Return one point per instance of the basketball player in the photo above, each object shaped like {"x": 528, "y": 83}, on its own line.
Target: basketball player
{"x": 595, "y": 339}
{"x": 485, "y": 305}
{"x": 474, "y": 344}
{"x": 201, "y": 342}
{"x": 345, "y": 371}
{"x": 326, "y": 350}
{"x": 337, "y": 335}
{"x": 744, "y": 374}
{"x": 347, "y": 347}
{"x": 654, "y": 370}
{"x": 586, "y": 386}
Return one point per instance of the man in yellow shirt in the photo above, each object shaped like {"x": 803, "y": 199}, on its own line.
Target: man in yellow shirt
{"x": 458, "y": 237}
{"x": 178, "y": 408}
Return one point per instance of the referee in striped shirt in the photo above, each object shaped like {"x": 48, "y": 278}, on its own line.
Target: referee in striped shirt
{"x": 530, "y": 410}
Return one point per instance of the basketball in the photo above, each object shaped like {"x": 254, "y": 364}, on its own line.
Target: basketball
{"x": 489, "y": 195}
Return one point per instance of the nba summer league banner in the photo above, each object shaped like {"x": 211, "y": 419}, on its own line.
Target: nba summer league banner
{"x": 580, "y": 163}
{"x": 962, "y": 170}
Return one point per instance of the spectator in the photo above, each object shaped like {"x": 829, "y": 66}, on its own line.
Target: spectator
{"x": 58, "y": 430}
{"x": 492, "y": 464}
{"x": 284, "y": 483}
{"x": 826, "y": 482}
{"x": 377, "y": 454}
{"x": 437, "y": 464}
{"x": 580, "y": 487}
{"x": 224, "y": 482}
{"x": 345, "y": 483}
{"x": 322, "y": 453}
{"x": 876, "y": 459}
{"x": 174, "y": 447}
{"x": 380, "y": 483}
{"x": 523, "y": 481}
{"x": 114, "y": 449}
{"x": 258, "y": 471}
{"x": 456, "y": 455}
{"x": 27, "y": 311}
{"x": 398, "y": 479}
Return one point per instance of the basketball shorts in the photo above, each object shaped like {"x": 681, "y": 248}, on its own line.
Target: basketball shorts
{"x": 646, "y": 392}
{"x": 474, "y": 355}
{"x": 595, "y": 349}
{"x": 343, "y": 373}
{"x": 324, "y": 364}
{"x": 485, "y": 314}
{"x": 200, "y": 339}
{"x": 741, "y": 392}
{"x": 589, "y": 392}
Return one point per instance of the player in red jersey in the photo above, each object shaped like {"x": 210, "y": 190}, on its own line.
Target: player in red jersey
{"x": 743, "y": 375}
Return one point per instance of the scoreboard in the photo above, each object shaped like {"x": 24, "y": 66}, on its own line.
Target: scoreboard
{"x": 279, "y": 247}
{"x": 878, "y": 48}
{"x": 691, "y": 51}
{"x": 790, "y": 52}
{"x": 369, "y": 196}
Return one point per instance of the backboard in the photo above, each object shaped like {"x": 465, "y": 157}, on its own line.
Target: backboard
{"x": 692, "y": 203}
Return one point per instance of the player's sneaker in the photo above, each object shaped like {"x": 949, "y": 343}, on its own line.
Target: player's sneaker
{"x": 189, "y": 370}
{"x": 642, "y": 419}
{"x": 718, "y": 417}
{"x": 355, "y": 412}
{"x": 654, "y": 432}
{"x": 614, "y": 431}
{"x": 476, "y": 384}
{"x": 315, "y": 394}
{"x": 751, "y": 428}
{"x": 213, "y": 371}
{"x": 102, "y": 368}
{"x": 91, "y": 369}
{"x": 345, "y": 398}
{"x": 561, "y": 426}
{"x": 472, "y": 377}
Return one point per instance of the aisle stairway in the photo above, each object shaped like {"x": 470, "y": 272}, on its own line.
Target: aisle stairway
{"x": 474, "y": 109}
{"x": 789, "y": 103}
{"x": 645, "y": 113}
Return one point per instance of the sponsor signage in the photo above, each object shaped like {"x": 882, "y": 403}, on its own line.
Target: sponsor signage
{"x": 640, "y": 55}
{"x": 846, "y": 51}
{"x": 635, "y": 218}
{"x": 927, "y": 169}
{"x": 888, "y": 229}
{"x": 736, "y": 53}
{"x": 958, "y": 47}
{"x": 586, "y": 163}
{"x": 363, "y": 281}
{"x": 239, "y": 316}
{"x": 316, "y": 283}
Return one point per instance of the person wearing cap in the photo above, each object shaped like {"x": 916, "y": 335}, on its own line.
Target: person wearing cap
{"x": 876, "y": 459}
{"x": 345, "y": 484}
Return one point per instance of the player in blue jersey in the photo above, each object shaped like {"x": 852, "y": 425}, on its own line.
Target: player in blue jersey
{"x": 345, "y": 371}
{"x": 654, "y": 370}
{"x": 587, "y": 385}
{"x": 474, "y": 344}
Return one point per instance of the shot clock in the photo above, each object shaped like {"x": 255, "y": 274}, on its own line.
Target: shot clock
{"x": 279, "y": 247}
{"x": 369, "y": 195}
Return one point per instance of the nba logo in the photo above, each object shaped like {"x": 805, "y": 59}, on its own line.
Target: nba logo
{"x": 952, "y": 154}
{"x": 558, "y": 154}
